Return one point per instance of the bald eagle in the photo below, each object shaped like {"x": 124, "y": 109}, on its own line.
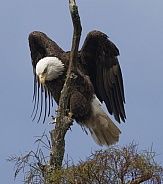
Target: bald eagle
{"x": 99, "y": 79}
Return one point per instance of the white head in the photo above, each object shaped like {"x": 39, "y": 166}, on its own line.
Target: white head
{"x": 49, "y": 68}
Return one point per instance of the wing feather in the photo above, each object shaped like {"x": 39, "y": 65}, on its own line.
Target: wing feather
{"x": 36, "y": 103}
{"x": 49, "y": 101}
{"x": 99, "y": 56}
{"x": 41, "y": 46}
{"x": 41, "y": 104}
{"x": 34, "y": 95}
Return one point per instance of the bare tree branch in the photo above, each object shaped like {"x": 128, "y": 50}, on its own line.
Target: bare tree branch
{"x": 141, "y": 179}
{"x": 63, "y": 122}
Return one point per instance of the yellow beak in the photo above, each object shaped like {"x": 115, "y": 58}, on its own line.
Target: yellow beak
{"x": 42, "y": 79}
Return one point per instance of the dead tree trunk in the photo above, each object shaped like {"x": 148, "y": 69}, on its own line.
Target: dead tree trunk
{"x": 63, "y": 122}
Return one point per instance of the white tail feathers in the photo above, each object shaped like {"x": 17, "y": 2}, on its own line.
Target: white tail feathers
{"x": 102, "y": 128}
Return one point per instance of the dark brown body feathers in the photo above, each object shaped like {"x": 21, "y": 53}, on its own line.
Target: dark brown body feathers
{"x": 98, "y": 73}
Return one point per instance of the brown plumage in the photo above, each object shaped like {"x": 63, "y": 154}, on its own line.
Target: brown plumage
{"x": 99, "y": 80}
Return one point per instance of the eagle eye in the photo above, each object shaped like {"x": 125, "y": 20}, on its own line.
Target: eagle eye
{"x": 45, "y": 70}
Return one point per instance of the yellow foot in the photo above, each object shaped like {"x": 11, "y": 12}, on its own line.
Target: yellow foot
{"x": 70, "y": 114}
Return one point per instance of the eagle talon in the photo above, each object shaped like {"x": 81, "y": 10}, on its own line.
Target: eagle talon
{"x": 70, "y": 114}
{"x": 54, "y": 120}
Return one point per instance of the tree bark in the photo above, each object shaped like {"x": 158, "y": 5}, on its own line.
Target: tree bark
{"x": 63, "y": 121}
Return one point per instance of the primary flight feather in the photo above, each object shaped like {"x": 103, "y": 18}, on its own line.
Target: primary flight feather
{"x": 99, "y": 79}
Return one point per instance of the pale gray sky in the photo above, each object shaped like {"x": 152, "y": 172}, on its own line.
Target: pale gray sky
{"x": 136, "y": 27}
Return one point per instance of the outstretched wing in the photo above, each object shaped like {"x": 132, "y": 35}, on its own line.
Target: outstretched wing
{"x": 99, "y": 56}
{"x": 41, "y": 46}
